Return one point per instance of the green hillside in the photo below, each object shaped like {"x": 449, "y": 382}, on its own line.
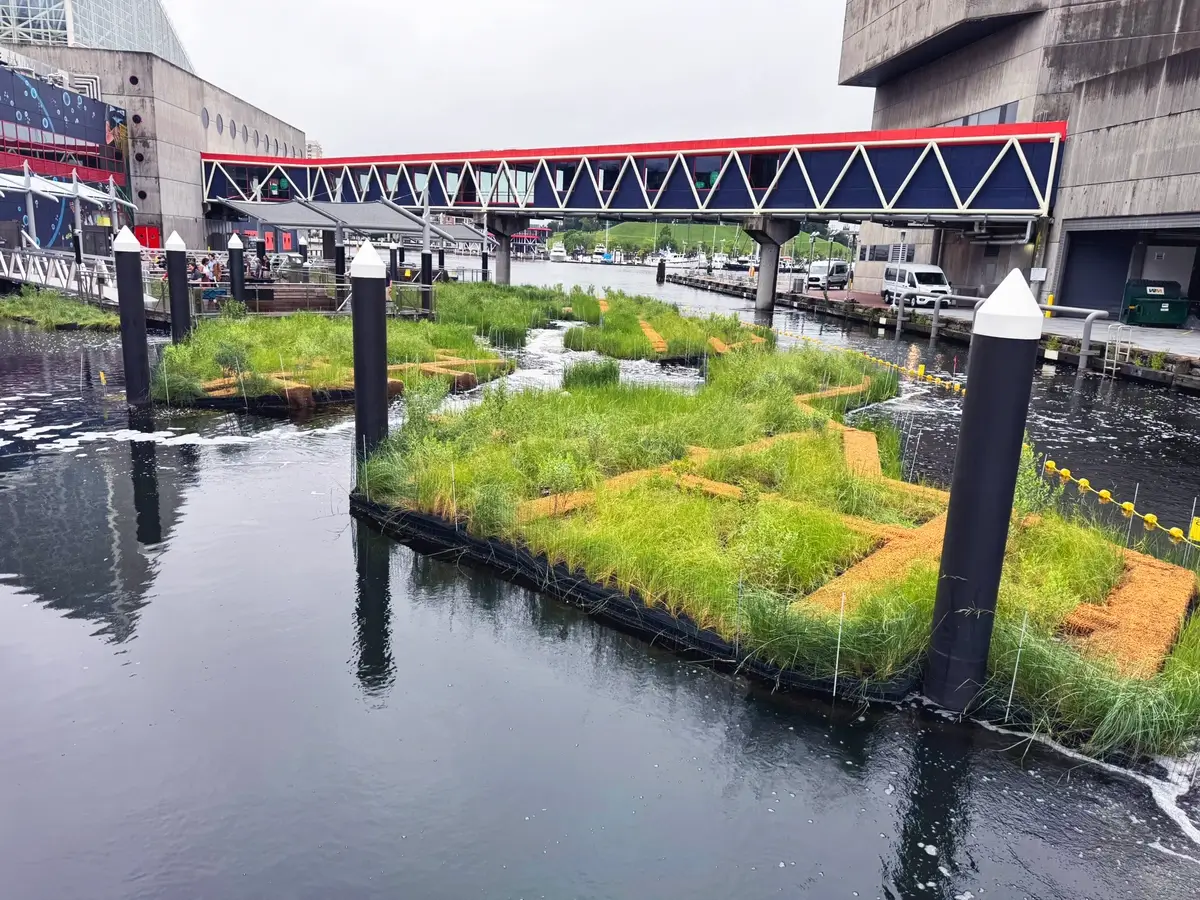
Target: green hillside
{"x": 684, "y": 237}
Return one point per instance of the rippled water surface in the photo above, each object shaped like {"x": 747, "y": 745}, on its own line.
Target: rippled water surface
{"x": 218, "y": 685}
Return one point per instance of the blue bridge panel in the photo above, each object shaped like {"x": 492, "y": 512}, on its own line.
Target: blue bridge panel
{"x": 928, "y": 188}
{"x": 676, "y": 193}
{"x": 892, "y": 165}
{"x": 856, "y": 190}
{"x": 791, "y": 190}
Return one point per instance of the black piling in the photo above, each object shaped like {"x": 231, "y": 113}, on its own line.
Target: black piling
{"x": 237, "y": 268}
{"x": 484, "y": 259}
{"x": 369, "y": 320}
{"x": 427, "y": 281}
{"x": 132, "y": 309}
{"x": 339, "y": 267}
{"x": 401, "y": 252}
{"x": 660, "y": 276}
{"x": 177, "y": 286}
{"x": 394, "y": 262}
{"x": 303, "y": 250}
{"x": 1004, "y": 348}
{"x": 373, "y": 610}
{"x": 441, "y": 259}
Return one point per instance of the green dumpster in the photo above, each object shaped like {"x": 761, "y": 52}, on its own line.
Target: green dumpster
{"x": 1155, "y": 303}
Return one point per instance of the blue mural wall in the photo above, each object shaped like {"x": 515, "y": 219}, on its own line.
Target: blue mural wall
{"x": 58, "y": 131}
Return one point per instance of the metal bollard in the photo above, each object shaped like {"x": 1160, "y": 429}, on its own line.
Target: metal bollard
{"x": 1008, "y": 327}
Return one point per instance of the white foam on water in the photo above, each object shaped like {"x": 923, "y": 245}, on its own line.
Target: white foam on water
{"x": 1164, "y": 791}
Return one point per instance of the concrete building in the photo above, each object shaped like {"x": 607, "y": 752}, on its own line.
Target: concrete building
{"x": 1124, "y": 74}
{"x": 173, "y": 117}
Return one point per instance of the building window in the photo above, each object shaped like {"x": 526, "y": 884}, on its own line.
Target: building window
{"x": 204, "y": 117}
{"x": 220, "y": 124}
{"x": 997, "y": 115}
{"x": 133, "y": 79}
{"x": 139, "y": 157}
{"x": 141, "y": 195}
{"x": 266, "y": 143}
{"x": 137, "y": 120}
{"x": 245, "y": 135}
{"x": 233, "y": 129}
{"x": 276, "y": 146}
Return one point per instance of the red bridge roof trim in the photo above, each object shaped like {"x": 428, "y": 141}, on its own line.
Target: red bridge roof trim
{"x": 981, "y": 133}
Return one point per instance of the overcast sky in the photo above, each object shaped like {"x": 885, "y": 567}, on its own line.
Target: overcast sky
{"x": 397, "y": 76}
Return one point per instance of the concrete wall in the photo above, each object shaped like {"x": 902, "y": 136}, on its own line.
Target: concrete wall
{"x": 171, "y": 135}
{"x": 1134, "y": 148}
{"x": 877, "y": 32}
{"x": 996, "y": 70}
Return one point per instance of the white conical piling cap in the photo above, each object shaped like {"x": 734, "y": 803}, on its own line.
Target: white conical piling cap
{"x": 235, "y": 243}
{"x": 1011, "y": 311}
{"x": 175, "y": 242}
{"x": 367, "y": 263}
{"x": 125, "y": 242}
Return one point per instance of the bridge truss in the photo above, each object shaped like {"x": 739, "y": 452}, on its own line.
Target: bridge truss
{"x": 959, "y": 173}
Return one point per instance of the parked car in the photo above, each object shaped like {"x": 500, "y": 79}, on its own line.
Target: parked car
{"x": 912, "y": 283}
{"x": 828, "y": 275}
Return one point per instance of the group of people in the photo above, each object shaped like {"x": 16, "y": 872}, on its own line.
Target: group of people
{"x": 210, "y": 271}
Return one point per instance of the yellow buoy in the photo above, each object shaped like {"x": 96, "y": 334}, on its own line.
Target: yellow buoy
{"x": 1105, "y": 496}
{"x": 1127, "y": 509}
{"x": 1176, "y": 535}
{"x": 1084, "y": 485}
{"x": 1151, "y": 521}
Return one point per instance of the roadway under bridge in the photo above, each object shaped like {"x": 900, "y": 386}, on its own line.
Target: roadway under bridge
{"x": 1001, "y": 175}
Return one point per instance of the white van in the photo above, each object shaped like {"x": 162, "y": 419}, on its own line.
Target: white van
{"x": 828, "y": 275}
{"x": 904, "y": 281}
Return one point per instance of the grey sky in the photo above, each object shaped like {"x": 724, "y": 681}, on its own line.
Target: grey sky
{"x": 395, "y": 76}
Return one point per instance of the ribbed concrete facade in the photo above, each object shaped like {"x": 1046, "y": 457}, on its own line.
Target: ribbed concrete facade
{"x": 1121, "y": 72}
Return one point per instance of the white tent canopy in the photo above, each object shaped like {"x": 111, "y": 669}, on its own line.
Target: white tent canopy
{"x": 57, "y": 190}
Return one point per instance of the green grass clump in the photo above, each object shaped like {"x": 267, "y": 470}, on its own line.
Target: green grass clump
{"x": 525, "y": 445}
{"x": 49, "y": 309}
{"x": 502, "y": 314}
{"x": 812, "y": 469}
{"x": 619, "y": 333}
{"x": 312, "y": 349}
{"x": 690, "y": 553}
{"x": 590, "y": 373}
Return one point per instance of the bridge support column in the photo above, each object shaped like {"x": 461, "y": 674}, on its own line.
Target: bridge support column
{"x": 770, "y": 234}
{"x": 1004, "y": 348}
{"x": 177, "y": 287}
{"x": 368, "y": 315}
{"x": 131, "y": 302}
{"x": 237, "y": 268}
{"x": 504, "y": 226}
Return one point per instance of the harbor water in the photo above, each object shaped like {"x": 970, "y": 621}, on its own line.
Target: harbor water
{"x": 219, "y": 685}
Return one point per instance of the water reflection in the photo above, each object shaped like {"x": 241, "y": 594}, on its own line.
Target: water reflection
{"x": 376, "y": 669}
{"x": 143, "y": 458}
{"x": 934, "y": 826}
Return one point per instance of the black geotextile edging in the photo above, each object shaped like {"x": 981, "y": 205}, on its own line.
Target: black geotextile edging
{"x": 269, "y": 404}
{"x": 437, "y": 537}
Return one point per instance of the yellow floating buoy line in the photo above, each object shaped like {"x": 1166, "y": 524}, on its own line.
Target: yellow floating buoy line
{"x": 917, "y": 374}
{"x": 1105, "y": 497}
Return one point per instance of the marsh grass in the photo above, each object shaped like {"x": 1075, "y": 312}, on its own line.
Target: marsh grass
{"x": 525, "y": 445}
{"x": 50, "y": 309}
{"x": 504, "y": 314}
{"x": 811, "y": 468}
{"x": 312, "y": 349}
{"x": 693, "y": 554}
{"x": 743, "y": 567}
{"x": 618, "y": 332}
{"x": 591, "y": 373}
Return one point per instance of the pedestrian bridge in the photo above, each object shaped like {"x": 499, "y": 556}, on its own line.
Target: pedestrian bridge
{"x": 92, "y": 280}
{"x": 970, "y": 173}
